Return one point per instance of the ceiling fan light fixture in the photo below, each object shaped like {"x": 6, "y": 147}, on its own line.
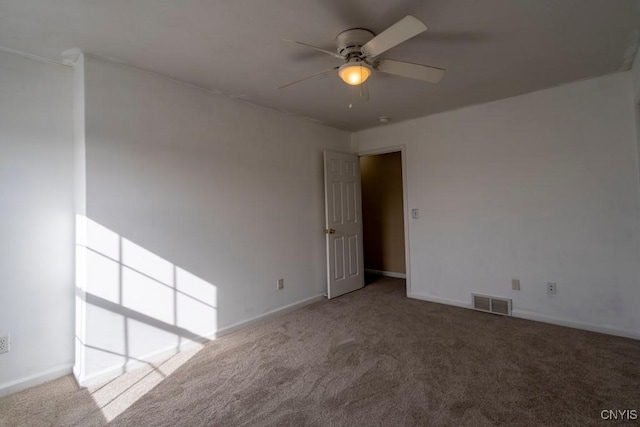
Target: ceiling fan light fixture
{"x": 354, "y": 72}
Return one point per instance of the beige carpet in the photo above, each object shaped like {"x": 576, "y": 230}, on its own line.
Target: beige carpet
{"x": 369, "y": 358}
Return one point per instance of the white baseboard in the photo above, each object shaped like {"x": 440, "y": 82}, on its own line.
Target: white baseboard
{"x": 440, "y": 300}
{"x": 545, "y": 318}
{"x": 386, "y": 273}
{"x": 276, "y": 312}
{"x": 33, "y": 380}
{"x": 114, "y": 371}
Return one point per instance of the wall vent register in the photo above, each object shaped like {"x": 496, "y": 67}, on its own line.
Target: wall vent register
{"x": 491, "y": 304}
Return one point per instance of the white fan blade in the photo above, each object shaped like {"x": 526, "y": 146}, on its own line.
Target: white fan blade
{"x": 319, "y": 49}
{"x": 409, "y": 70}
{"x": 309, "y": 77}
{"x": 403, "y": 30}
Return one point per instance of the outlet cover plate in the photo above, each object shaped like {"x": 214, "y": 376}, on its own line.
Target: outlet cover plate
{"x": 515, "y": 284}
{"x": 4, "y": 344}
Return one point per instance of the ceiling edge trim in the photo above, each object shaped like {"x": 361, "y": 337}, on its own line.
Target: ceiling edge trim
{"x": 478, "y": 104}
{"x": 211, "y": 91}
{"x": 34, "y": 57}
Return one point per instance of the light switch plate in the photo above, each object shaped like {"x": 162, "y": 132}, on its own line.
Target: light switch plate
{"x": 415, "y": 213}
{"x": 515, "y": 284}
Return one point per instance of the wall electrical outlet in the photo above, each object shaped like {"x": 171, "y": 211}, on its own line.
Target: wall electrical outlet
{"x": 280, "y": 283}
{"x": 515, "y": 284}
{"x": 551, "y": 288}
{"x": 4, "y": 344}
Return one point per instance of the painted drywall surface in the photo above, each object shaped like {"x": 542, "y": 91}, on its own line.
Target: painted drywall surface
{"x": 635, "y": 73}
{"x": 80, "y": 171}
{"x": 383, "y": 212}
{"x": 196, "y": 205}
{"x": 36, "y": 217}
{"x": 541, "y": 187}
{"x": 80, "y": 207}
{"x": 637, "y": 118}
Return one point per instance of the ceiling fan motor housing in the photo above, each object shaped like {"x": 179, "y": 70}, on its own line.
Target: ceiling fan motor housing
{"x": 350, "y": 42}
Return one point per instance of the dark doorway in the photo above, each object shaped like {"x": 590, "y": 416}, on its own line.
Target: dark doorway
{"x": 383, "y": 214}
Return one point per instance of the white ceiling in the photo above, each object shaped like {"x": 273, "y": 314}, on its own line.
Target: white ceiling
{"x": 492, "y": 49}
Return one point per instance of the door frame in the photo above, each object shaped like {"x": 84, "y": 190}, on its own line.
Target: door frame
{"x": 405, "y": 200}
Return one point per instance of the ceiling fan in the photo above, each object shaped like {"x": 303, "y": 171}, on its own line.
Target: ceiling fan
{"x": 360, "y": 47}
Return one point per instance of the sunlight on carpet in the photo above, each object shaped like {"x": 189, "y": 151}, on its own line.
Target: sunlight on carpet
{"x": 116, "y": 396}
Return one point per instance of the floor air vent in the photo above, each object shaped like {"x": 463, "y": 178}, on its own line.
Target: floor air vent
{"x": 492, "y": 304}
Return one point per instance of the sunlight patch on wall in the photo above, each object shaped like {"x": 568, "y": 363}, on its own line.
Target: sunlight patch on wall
{"x": 132, "y": 307}
{"x": 196, "y": 302}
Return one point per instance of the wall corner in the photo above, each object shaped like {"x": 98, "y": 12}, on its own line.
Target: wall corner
{"x": 354, "y": 142}
{"x": 76, "y": 59}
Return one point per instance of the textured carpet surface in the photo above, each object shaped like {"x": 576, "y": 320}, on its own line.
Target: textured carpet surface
{"x": 369, "y": 358}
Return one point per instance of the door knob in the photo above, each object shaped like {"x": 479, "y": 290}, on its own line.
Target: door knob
{"x": 329, "y": 231}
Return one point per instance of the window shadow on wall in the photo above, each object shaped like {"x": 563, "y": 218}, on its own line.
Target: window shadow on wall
{"x": 133, "y": 306}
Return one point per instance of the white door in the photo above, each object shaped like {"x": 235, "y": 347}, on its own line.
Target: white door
{"x": 343, "y": 213}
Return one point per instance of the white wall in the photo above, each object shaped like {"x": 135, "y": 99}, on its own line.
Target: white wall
{"x": 217, "y": 199}
{"x": 635, "y": 73}
{"x": 36, "y": 220}
{"x": 196, "y": 205}
{"x": 541, "y": 187}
